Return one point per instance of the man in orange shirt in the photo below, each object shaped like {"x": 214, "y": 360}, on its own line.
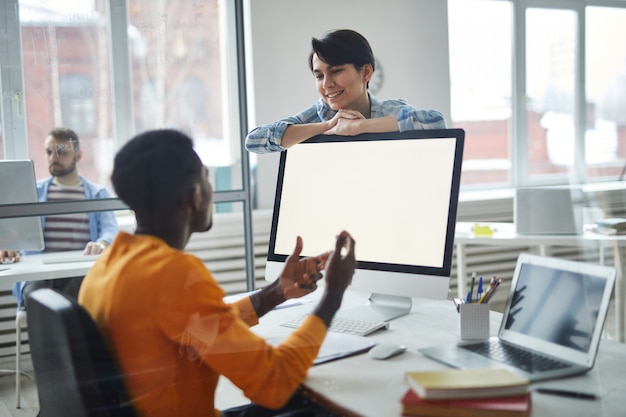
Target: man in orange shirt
{"x": 162, "y": 312}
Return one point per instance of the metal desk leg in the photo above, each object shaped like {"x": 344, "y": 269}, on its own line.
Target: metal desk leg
{"x": 620, "y": 293}
{"x": 601, "y": 256}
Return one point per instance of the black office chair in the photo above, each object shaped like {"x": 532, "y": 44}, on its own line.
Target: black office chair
{"x": 75, "y": 373}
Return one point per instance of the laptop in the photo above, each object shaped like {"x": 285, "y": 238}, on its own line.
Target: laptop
{"x": 552, "y": 321}
{"x": 18, "y": 186}
{"x": 548, "y": 210}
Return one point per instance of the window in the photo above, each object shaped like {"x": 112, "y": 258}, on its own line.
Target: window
{"x": 548, "y": 106}
{"x": 177, "y": 61}
{"x": 77, "y": 102}
{"x": 65, "y": 51}
{"x": 606, "y": 92}
{"x": 550, "y": 91}
{"x": 481, "y": 87}
{"x": 178, "y": 67}
{"x": 109, "y": 70}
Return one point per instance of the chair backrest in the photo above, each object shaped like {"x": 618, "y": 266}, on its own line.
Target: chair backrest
{"x": 75, "y": 373}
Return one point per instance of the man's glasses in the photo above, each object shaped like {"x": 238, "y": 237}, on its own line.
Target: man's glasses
{"x": 61, "y": 149}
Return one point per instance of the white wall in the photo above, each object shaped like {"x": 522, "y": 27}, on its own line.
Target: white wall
{"x": 409, "y": 39}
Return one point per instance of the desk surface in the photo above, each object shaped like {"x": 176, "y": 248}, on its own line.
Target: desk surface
{"x": 505, "y": 233}
{"x": 33, "y": 268}
{"x": 361, "y": 386}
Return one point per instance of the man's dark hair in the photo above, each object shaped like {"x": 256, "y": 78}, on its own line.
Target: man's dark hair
{"x": 65, "y": 133}
{"x": 155, "y": 171}
{"x": 341, "y": 47}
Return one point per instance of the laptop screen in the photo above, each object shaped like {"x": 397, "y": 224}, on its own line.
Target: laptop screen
{"x": 559, "y": 306}
{"x": 21, "y": 233}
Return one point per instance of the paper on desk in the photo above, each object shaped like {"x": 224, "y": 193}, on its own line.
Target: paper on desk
{"x": 236, "y": 297}
{"x": 288, "y": 303}
{"x": 340, "y": 345}
{"x": 336, "y": 345}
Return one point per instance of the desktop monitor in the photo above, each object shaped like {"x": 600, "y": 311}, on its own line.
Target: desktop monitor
{"x": 18, "y": 186}
{"x": 395, "y": 193}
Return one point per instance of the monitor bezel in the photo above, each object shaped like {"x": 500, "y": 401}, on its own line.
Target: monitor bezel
{"x": 446, "y": 267}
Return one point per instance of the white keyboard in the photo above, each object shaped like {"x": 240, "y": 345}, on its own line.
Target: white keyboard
{"x": 343, "y": 325}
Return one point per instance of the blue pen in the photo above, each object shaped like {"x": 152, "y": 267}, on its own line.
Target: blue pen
{"x": 479, "y": 293}
{"x": 468, "y": 297}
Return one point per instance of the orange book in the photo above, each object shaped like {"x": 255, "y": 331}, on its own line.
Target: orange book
{"x": 516, "y": 406}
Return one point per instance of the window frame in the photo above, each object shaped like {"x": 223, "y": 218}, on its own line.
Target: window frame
{"x": 518, "y": 132}
{"x": 13, "y": 110}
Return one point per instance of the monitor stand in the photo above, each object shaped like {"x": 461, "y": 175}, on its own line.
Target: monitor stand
{"x": 379, "y": 307}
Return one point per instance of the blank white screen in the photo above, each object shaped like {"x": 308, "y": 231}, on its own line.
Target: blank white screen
{"x": 396, "y": 208}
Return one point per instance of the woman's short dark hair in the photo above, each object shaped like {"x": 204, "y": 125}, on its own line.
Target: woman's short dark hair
{"x": 155, "y": 170}
{"x": 343, "y": 46}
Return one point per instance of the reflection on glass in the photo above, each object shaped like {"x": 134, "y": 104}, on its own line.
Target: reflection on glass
{"x": 481, "y": 86}
{"x": 177, "y": 60}
{"x": 605, "y": 151}
{"x": 67, "y": 82}
{"x": 550, "y": 83}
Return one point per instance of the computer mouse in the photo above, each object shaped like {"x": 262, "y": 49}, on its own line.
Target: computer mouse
{"x": 386, "y": 350}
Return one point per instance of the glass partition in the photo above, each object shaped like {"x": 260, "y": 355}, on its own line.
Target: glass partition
{"x": 109, "y": 69}
{"x": 179, "y": 63}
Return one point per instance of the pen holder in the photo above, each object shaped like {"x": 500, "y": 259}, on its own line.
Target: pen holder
{"x": 473, "y": 321}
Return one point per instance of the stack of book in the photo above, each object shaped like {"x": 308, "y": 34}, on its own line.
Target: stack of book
{"x": 611, "y": 226}
{"x": 466, "y": 393}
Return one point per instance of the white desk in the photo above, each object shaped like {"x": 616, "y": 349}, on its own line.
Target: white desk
{"x": 505, "y": 235}
{"x": 32, "y": 268}
{"x": 364, "y": 387}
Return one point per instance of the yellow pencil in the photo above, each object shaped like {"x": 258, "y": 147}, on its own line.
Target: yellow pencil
{"x": 484, "y": 295}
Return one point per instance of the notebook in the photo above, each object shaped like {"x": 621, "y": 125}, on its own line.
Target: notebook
{"x": 552, "y": 321}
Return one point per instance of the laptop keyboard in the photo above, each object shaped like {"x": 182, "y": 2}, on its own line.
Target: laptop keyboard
{"x": 343, "y": 325}
{"x": 514, "y": 356}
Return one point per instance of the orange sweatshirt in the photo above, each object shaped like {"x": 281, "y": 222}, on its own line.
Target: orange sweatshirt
{"x": 162, "y": 314}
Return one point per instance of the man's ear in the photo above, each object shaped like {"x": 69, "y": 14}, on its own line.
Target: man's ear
{"x": 79, "y": 154}
{"x": 195, "y": 197}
